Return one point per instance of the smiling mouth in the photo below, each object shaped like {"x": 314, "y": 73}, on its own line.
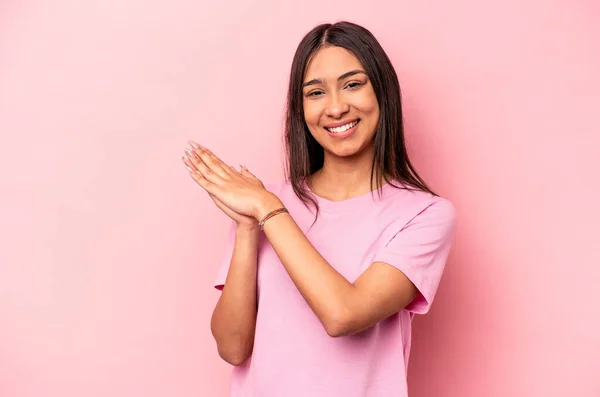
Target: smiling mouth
{"x": 343, "y": 128}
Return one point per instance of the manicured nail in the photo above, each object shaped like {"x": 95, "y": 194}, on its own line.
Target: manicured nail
{"x": 189, "y": 169}
{"x": 195, "y": 145}
{"x": 189, "y": 152}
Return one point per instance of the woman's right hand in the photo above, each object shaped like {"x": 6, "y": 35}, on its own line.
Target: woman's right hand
{"x": 241, "y": 220}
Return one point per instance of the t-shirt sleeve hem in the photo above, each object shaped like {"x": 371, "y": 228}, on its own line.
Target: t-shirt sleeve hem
{"x": 420, "y": 304}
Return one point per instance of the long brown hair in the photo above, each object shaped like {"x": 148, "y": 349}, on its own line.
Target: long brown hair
{"x": 305, "y": 155}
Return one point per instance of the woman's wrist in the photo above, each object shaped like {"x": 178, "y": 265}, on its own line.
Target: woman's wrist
{"x": 268, "y": 203}
{"x": 248, "y": 227}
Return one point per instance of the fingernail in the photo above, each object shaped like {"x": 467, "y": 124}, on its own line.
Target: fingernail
{"x": 189, "y": 169}
{"x": 189, "y": 152}
{"x": 195, "y": 145}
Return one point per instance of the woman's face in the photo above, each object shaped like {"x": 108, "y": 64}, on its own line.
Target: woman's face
{"x": 340, "y": 107}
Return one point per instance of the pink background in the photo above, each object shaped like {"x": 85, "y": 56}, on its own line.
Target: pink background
{"x": 109, "y": 249}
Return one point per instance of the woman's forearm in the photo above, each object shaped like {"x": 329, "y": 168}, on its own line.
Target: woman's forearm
{"x": 327, "y": 292}
{"x": 234, "y": 317}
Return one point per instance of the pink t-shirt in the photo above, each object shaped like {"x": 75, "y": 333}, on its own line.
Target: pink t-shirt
{"x": 293, "y": 356}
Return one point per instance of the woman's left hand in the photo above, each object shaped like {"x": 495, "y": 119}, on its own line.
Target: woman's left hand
{"x": 241, "y": 192}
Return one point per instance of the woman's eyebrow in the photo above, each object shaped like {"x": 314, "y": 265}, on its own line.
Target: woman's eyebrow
{"x": 342, "y": 77}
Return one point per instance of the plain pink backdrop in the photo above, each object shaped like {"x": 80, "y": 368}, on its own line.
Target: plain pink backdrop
{"x": 109, "y": 249}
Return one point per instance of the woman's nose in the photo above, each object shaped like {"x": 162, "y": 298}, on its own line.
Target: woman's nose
{"x": 337, "y": 106}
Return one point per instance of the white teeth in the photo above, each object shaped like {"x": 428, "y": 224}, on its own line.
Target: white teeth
{"x": 344, "y": 127}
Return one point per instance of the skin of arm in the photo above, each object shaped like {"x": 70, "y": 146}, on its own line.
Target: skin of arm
{"x": 233, "y": 320}
{"x": 344, "y": 308}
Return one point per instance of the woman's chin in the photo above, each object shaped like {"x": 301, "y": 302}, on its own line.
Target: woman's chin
{"x": 348, "y": 150}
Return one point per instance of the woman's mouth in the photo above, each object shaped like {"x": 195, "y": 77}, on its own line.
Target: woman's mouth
{"x": 343, "y": 131}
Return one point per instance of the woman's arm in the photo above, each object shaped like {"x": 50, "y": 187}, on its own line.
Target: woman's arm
{"x": 343, "y": 308}
{"x": 234, "y": 317}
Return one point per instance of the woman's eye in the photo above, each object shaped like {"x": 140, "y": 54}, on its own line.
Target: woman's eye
{"x": 314, "y": 93}
{"x": 354, "y": 84}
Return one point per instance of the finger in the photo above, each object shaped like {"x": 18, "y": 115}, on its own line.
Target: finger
{"x": 218, "y": 202}
{"x": 200, "y": 162}
{"x": 201, "y": 167}
{"x": 246, "y": 172}
{"x": 194, "y": 173}
{"x": 188, "y": 164}
{"x": 231, "y": 171}
{"x": 196, "y": 159}
{"x": 191, "y": 170}
{"x": 214, "y": 199}
{"x": 210, "y": 188}
{"x": 213, "y": 162}
{"x": 192, "y": 158}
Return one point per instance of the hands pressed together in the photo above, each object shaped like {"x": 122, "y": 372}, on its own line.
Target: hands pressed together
{"x": 239, "y": 194}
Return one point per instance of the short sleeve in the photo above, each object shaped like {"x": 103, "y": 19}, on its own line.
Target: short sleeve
{"x": 420, "y": 250}
{"x": 226, "y": 257}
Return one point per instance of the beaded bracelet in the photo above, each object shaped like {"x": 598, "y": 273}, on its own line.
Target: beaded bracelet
{"x": 270, "y": 215}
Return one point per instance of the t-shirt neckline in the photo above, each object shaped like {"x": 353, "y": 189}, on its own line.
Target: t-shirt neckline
{"x": 353, "y": 203}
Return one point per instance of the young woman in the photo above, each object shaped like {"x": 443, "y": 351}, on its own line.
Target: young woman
{"x": 323, "y": 275}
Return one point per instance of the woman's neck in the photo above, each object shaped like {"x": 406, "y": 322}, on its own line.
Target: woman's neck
{"x": 339, "y": 184}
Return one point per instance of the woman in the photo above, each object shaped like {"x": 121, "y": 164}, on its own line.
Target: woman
{"x": 323, "y": 276}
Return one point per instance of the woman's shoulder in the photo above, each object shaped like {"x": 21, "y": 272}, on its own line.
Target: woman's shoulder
{"x": 412, "y": 202}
